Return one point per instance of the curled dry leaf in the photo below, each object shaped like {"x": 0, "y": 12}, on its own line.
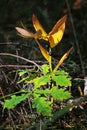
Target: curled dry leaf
{"x": 24, "y": 32}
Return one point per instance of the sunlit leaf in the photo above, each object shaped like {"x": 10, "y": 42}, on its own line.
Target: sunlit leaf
{"x": 60, "y": 72}
{"x": 55, "y": 38}
{"x": 44, "y": 52}
{"x": 38, "y": 26}
{"x": 45, "y": 68}
{"x": 11, "y": 103}
{"x": 62, "y": 59}
{"x": 62, "y": 80}
{"x": 55, "y": 35}
{"x": 40, "y": 81}
{"x": 44, "y": 92}
{"x": 59, "y": 23}
{"x": 42, "y": 106}
{"x": 57, "y": 32}
{"x": 60, "y": 94}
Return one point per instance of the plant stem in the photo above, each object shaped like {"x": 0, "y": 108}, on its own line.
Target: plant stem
{"x": 50, "y": 63}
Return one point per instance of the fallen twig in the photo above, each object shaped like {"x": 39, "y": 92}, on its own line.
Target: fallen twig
{"x": 15, "y": 66}
{"x": 22, "y": 58}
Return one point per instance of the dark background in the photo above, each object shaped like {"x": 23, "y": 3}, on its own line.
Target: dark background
{"x": 12, "y": 13}
{"x": 48, "y": 12}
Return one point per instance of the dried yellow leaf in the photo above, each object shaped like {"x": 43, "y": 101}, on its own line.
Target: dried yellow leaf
{"x": 44, "y": 52}
{"x": 62, "y": 59}
{"x": 55, "y": 35}
{"x": 38, "y": 26}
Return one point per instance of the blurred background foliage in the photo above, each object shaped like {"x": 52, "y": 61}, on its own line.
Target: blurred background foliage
{"x": 48, "y": 12}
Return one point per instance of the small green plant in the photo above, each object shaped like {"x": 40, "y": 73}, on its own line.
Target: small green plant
{"x": 48, "y": 85}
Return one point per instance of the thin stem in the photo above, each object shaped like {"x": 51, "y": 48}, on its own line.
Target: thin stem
{"x": 40, "y": 124}
{"x": 50, "y": 63}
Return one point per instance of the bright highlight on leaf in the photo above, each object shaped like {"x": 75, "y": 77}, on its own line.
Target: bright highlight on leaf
{"x": 44, "y": 52}
{"x": 60, "y": 94}
{"x": 40, "y": 81}
{"x": 45, "y": 69}
{"x": 38, "y": 26}
{"x": 55, "y": 35}
{"x": 42, "y": 106}
{"x": 11, "y": 103}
